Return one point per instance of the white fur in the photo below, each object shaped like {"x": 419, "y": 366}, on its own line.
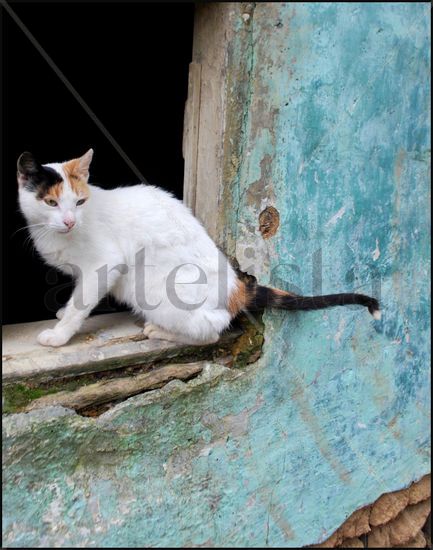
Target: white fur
{"x": 377, "y": 314}
{"x": 111, "y": 227}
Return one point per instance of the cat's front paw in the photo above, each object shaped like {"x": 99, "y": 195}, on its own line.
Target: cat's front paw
{"x": 53, "y": 337}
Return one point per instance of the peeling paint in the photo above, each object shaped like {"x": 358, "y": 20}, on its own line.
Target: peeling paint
{"x": 376, "y": 253}
{"x": 337, "y": 216}
{"x": 339, "y": 333}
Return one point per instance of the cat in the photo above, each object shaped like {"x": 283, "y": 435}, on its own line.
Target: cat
{"x": 145, "y": 248}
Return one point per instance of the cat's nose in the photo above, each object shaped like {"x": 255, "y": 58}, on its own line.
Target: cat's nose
{"x": 69, "y": 223}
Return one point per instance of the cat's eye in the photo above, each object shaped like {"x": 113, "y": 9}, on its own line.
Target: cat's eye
{"x": 51, "y": 202}
{"x": 80, "y": 202}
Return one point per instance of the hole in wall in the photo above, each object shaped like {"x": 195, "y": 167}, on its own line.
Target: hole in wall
{"x": 269, "y": 222}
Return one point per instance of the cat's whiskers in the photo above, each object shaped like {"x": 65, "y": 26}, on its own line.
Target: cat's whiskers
{"x": 27, "y": 227}
{"x": 29, "y": 240}
{"x": 41, "y": 235}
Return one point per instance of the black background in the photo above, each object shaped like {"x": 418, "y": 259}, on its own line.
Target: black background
{"x": 129, "y": 62}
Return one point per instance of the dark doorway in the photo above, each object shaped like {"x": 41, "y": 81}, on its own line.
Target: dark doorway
{"x": 129, "y": 61}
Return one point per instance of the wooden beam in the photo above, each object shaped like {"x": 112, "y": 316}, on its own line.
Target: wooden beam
{"x": 118, "y": 388}
{"x": 191, "y": 135}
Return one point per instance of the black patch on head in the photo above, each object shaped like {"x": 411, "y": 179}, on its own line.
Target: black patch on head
{"x": 35, "y": 177}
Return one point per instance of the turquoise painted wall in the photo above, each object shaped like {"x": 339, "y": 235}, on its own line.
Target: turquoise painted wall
{"x": 335, "y": 135}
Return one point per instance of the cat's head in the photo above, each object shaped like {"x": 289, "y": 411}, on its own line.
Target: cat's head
{"x": 54, "y": 194}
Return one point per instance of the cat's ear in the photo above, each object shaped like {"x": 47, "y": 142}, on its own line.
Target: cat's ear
{"x": 84, "y": 163}
{"x": 79, "y": 167}
{"x": 28, "y": 168}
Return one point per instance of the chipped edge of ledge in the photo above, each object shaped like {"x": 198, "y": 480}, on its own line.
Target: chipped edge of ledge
{"x": 18, "y": 423}
{"x": 211, "y": 373}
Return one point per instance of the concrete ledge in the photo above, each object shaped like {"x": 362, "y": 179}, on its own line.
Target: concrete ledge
{"x": 105, "y": 342}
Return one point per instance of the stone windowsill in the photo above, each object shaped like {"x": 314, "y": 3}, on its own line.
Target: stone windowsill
{"x": 105, "y": 342}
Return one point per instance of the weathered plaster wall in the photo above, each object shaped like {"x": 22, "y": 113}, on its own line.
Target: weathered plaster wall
{"x": 334, "y": 133}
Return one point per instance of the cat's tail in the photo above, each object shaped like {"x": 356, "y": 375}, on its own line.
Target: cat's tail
{"x": 257, "y": 298}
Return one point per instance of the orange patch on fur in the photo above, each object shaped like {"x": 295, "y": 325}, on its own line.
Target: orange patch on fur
{"x": 55, "y": 191}
{"x": 80, "y": 187}
{"x": 72, "y": 167}
{"x": 238, "y": 298}
{"x": 280, "y": 292}
{"x": 76, "y": 178}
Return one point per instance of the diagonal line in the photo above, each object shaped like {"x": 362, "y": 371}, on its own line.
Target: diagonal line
{"x": 73, "y": 91}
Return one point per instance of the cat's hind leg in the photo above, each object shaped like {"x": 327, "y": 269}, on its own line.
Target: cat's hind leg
{"x": 60, "y": 312}
{"x": 156, "y": 332}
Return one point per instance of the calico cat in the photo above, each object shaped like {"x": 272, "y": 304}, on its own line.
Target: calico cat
{"x": 145, "y": 248}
